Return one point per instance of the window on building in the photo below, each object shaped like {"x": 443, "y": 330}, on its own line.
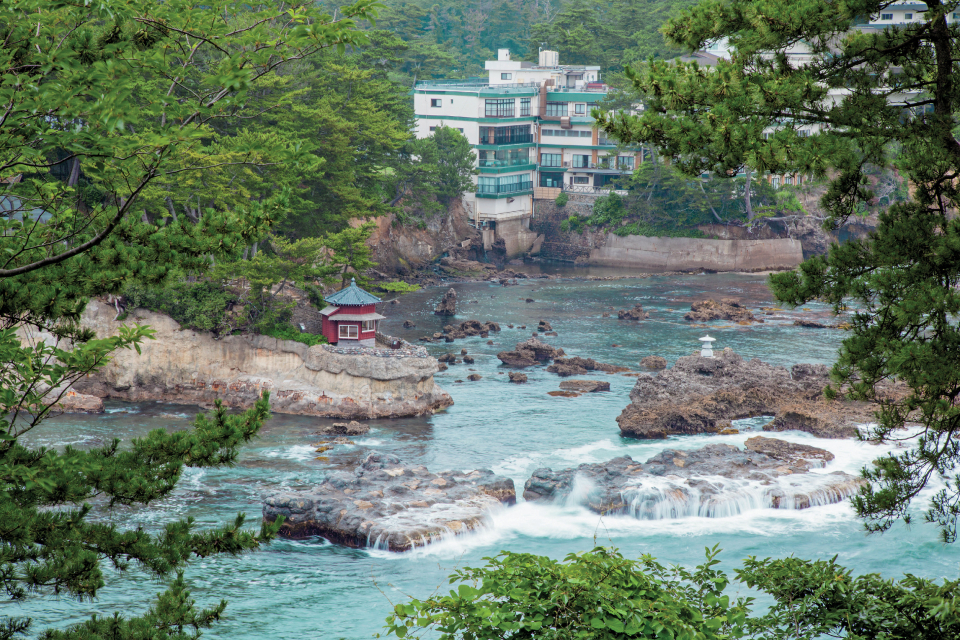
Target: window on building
{"x": 506, "y": 76}
{"x": 548, "y": 133}
{"x": 775, "y": 182}
{"x": 524, "y": 106}
{"x": 503, "y": 157}
{"x": 586, "y": 134}
{"x": 581, "y": 180}
{"x": 580, "y": 108}
{"x": 460, "y": 130}
{"x": 500, "y": 108}
{"x": 436, "y": 102}
{"x": 432, "y": 129}
{"x": 517, "y": 134}
{"x": 581, "y": 162}
{"x": 555, "y": 109}
{"x": 625, "y": 163}
{"x": 552, "y": 180}
{"x": 886, "y": 16}
{"x": 349, "y": 331}
{"x": 803, "y": 133}
{"x": 908, "y": 16}
{"x": 956, "y": 16}
{"x": 369, "y": 325}
{"x": 505, "y": 184}
{"x": 550, "y": 160}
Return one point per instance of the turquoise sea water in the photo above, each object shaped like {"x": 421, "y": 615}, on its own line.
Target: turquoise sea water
{"x": 311, "y": 589}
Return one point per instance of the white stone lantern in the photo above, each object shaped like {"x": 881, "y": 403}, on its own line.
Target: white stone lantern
{"x": 706, "y": 351}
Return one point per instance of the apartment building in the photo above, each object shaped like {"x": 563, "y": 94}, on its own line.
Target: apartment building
{"x": 531, "y": 127}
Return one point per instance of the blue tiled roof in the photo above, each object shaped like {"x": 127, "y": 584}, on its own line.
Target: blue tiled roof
{"x": 351, "y": 295}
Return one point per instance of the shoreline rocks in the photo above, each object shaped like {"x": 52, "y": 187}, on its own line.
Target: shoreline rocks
{"x": 715, "y": 481}
{"x": 654, "y": 363}
{"x": 528, "y": 353}
{"x": 578, "y": 366}
{"x": 585, "y": 386}
{"x": 183, "y": 366}
{"x": 387, "y": 505}
{"x": 636, "y": 313}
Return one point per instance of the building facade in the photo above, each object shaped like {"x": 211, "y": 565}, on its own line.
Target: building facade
{"x": 351, "y": 317}
{"x": 533, "y": 135}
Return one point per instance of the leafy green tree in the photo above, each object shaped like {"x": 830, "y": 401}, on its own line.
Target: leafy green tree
{"x": 869, "y": 98}
{"x": 455, "y": 164}
{"x": 349, "y": 252}
{"x": 102, "y": 102}
{"x": 598, "y": 594}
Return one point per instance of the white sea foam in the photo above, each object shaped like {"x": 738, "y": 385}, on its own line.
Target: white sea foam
{"x": 296, "y": 452}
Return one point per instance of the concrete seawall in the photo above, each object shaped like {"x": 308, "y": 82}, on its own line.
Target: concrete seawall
{"x": 691, "y": 254}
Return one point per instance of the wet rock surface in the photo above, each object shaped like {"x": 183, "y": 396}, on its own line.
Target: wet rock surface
{"x": 352, "y": 428}
{"x": 725, "y": 309}
{"x": 585, "y": 386}
{"x": 73, "y": 402}
{"x": 654, "y": 363}
{"x": 529, "y": 353}
{"x": 697, "y": 393}
{"x": 388, "y": 505}
{"x": 636, "y": 313}
{"x": 517, "y": 377}
{"x": 578, "y": 366}
{"x": 447, "y": 305}
{"x": 715, "y": 481}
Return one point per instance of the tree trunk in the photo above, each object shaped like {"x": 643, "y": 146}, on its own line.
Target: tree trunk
{"x": 74, "y": 172}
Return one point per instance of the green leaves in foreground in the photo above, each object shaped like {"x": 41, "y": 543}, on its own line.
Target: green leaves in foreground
{"x": 601, "y": 595}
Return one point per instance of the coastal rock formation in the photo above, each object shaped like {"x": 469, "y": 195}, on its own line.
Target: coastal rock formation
{"x": 637, "y": 313}
{"x": 821, "y": 419}
{"x": 697, "y": 393}
{"x": 578, "y": 366}
{"x": 725, "y": 309}
{"x": 387, "y": 505}
{"x": 654, "y": 363}
{"x": 544, "y": 326}
{"x": 469, "y": 328}
{"x": 447, "y": 305}
{"x": 192, "y": 367}
{"x": 528, "y": 353}
{"x": 517, "y": 377}
{"x": 73, "y": 402}
{"x": 352, "y": 428}
{"x": 585, "y": 386}
{"x": 717, "y": 480}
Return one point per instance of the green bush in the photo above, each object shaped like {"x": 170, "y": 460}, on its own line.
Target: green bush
{"x": 291, "y": 333}
{"x": 608, "y": 211}
{"x": 645, "y": 229}
{"x": 562, "y": 199}
{"x": 201, "y": 306}
{"x": 397, "y": 287}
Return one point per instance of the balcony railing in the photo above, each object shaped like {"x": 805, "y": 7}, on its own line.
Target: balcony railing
{"x": 510, "y": 162}
{"x": 512, "y": 187}
{"x": 604, "y": 166}
{"x": 597, "y": 191}
{"x": 508, "y": 139}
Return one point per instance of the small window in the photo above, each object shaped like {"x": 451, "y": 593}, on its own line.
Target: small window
{"x": 580, "y": 109}
{"x": 349, "y": 331}
{"x": 460, "y": 130}
{"x": 436, "y": 102}
{"x": 581, "y": 180}
{"x": 451, "y": 100}
{"x": 776, "y": 182}
{"x": 550, "y": 159}
{"x": 586, "y": 134}
{"x": 369, "y": 325}
{"x": 506, "y": 76}
{"x": 547, "y": 132}
{"x": 908, "y": 16}
{"x": 888, "y": 16}
{"x": 524, "y": 106}
{"x": 432, "y": 129}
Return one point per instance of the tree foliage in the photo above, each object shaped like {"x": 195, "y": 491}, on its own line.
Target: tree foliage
{"x": 872, "y": 98}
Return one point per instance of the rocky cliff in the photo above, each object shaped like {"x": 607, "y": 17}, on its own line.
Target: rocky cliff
{"x": 192, "y": 367}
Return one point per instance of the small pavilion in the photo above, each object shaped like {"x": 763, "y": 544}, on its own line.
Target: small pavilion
{"x": 351, "y": 319}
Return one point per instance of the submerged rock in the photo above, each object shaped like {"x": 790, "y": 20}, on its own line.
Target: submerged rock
{"x": 387, "y": 505}
{"x": 578, "y": 366}
{"x": 725, "y": 309}
{"x": 517, "y": 377}
{"x": 73, "y": 402}
{"x": 352, "y": 428}
{"x": 447, "y": 305}
{"x": 528, "y": 353}
{"x": 717, "y": 480}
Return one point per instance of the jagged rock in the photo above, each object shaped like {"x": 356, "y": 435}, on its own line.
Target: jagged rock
{"x": 821, "y": 419}
{"x": 563, "y": 394}
{"x": 543, "y": 325}
{"x": 466, "y": 267}
{"x": 443, "y": 367}
{"x": 605, "y": 315}
{"x": 529, "y": 300}
{"x": 408, "y": 325}
{"x": 447, "y": 357}
{"x": 473, "y": 377}
{"x": 73, "y": 402}
{"x": 637, "y": 313}
{"x": 517, "y": 359}
{"x": 697, "y": 393}
{"x": 448, "y": 304}
{"x": 715, "y": 481}
{"x": 586, "y": 364}
{"x": 725, "y": 309}
{"x": 517, "y": 377}
{"x": 654, "y": 362}
{"x": 463, "y": 352}
{"x": 585, "y": 386}
{"x": 352, "y": 428}
{"x": 468, "y": 359}
{"x": 387, "y": 505}
{"x": 566, "y": 370}
{"x": 552, "y": 334}
{"x": 541, "y": 350}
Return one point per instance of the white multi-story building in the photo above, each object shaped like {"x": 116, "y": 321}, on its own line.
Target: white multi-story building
{"x": 531, "y": 127}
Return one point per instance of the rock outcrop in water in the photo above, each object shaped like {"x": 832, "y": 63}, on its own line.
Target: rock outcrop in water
{"x": 726, "y": 309}
{"x": 387, "y": 505}
{"x": 528, "y": 353}
{"x": 447, "y": 305}
{"x": 637, "y": 313}
{"x": 697, "y": 393}
{"x": 192, "y": 367}
{"x": 576, "y": 365}
{"x": 717, "y": 480}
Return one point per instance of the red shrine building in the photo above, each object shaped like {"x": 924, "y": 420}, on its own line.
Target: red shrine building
{"x": 351, "y": 319}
